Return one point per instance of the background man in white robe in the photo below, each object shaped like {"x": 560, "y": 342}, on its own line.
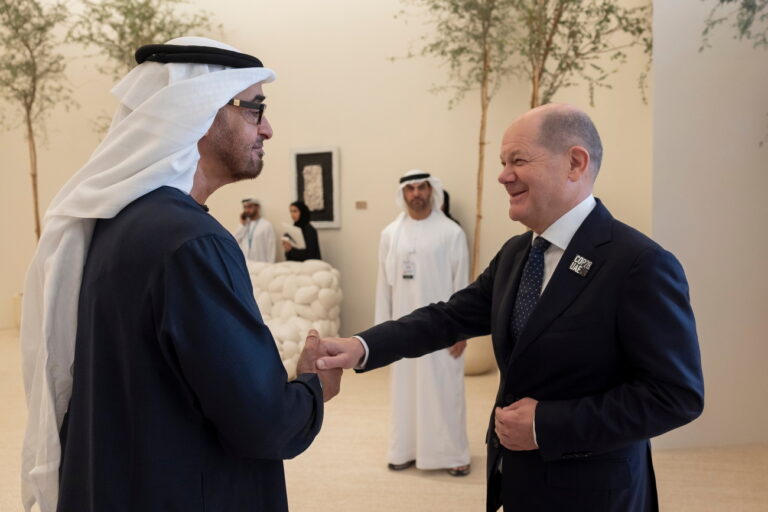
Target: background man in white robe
{"x": 423, "y": 258}
{"x": 256, "y": 235}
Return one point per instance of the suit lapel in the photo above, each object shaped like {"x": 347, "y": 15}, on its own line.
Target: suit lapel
{"x": 509, "y": 275}
{"x": 565, "y": 285}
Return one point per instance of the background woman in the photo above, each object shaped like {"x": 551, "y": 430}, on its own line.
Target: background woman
{"x": 300, "y": 216}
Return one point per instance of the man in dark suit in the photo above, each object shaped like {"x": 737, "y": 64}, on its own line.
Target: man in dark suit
{"x": 592, "y": 331}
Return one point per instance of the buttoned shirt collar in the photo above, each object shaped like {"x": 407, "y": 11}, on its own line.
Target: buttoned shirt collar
{"x": 562, "y": 230}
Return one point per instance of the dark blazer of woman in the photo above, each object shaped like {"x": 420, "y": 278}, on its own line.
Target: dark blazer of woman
{"x": 312, "y": 250}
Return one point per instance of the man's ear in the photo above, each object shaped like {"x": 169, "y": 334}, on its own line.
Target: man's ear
{"x": 578, "y": 161}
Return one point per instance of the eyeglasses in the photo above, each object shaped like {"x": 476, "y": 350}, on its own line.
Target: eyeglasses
{"x": 259, "y": 108}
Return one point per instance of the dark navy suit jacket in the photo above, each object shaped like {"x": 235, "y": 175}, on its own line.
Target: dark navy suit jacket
{"x": 612, "y": 357}
{"x": 180, "y": 401}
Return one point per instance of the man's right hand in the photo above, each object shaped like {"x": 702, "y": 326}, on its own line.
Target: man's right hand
{"x": 342, "y": 353}
{"x": 330, "y": 379}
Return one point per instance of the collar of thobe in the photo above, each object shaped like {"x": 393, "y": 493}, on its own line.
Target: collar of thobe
{"x": 390, "y": 263}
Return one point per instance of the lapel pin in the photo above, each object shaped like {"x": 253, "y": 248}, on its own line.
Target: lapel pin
{"x": 580, "y": 265}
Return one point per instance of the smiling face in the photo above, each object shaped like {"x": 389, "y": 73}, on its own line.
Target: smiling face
{"x": 542, "y": 185}
{"x": 234, "y": 145}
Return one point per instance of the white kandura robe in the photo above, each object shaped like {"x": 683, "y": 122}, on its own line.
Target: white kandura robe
{"x": 428, "y": 422}
{"x": 257, "y": 240}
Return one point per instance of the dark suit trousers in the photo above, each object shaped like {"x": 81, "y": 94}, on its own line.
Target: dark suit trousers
{"x": 620, "y": 481}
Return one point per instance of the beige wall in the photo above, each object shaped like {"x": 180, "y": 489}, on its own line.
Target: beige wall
{"x": 709, "y": 207}
{"x": 336, "y": 86}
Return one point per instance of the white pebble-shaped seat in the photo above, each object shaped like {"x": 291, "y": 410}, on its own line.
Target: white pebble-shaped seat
{"x": 293, "y": 298}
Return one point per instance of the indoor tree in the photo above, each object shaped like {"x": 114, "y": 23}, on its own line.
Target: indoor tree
{"x": 32, "y": 71}
{"x": 562, "y": 43}
{"x": 551, "y": 44}
{"x": 116, "y": 28}
{"x": 749, "y": 17}
{"x": 475, "y": 39}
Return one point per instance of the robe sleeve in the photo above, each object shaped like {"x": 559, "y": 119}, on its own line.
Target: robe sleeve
{"x": 240, "y": 233}
{"x": 460, "y": 261}
{"x": 383, "y": 289}
{"x": 213, "y": 334}
{"x": 269, "y": 242}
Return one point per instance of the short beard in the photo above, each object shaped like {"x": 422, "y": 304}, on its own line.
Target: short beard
{"x": 239, "y": 168}
{"x": 418, "y": 205}
{"x": 252, "y": 171}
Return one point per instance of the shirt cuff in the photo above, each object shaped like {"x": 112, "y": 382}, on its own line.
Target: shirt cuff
{"x": 361, "y": 366}
{"x": 534, "y": 433}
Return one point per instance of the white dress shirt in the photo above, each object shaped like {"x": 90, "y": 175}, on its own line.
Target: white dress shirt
{"x": 560, "y": 233}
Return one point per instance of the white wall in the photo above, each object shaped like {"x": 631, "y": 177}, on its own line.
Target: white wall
{"x": 336, "y": 86}
{"x": 709, "y": 207}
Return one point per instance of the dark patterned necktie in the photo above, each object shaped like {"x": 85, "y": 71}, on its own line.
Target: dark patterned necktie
{"x": 530, "y": 286}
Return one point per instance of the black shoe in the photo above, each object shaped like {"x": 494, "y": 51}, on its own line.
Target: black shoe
{"x": 460, "y": 471}
{"x": 400, "y": 467}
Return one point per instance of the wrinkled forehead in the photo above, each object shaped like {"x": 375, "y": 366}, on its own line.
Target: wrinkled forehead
{"x": 525, "y": 127}
{"x": 522, "y": 134}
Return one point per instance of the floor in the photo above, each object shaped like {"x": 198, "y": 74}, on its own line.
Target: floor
{"x": 345, "y": 469}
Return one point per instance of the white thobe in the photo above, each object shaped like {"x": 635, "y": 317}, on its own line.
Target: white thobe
{"x": 257, "y": 240}
{"x": 428, "y": 407}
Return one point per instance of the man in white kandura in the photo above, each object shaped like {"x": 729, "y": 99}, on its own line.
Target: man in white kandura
{"x": 423, "y": 258}
{"x": 255, "y": 235}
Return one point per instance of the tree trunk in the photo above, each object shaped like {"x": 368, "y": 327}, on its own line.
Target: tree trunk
{"x": 535, "y": 95}
{"x": 481, "y": 143}
{"x": 33, "y": 169}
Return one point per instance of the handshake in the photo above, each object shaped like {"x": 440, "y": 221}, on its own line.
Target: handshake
{"x": 327, "y": 358}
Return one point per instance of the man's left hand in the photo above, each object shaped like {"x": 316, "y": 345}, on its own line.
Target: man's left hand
{"x": 514, "y": 425}
{"x": 457, "y": 349}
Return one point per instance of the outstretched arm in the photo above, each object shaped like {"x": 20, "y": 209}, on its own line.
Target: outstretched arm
{"x": 342, "y": 353}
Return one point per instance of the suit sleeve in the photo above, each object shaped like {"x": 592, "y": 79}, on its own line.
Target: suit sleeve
{"x": 467, "y": 314}
{"x": 215, "y": 336}
{"x": 664, "y": 386}
{"x": 383, "y": 304}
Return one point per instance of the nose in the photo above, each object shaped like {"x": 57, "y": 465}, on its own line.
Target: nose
{"x": 506, "y": 175}
{"x": 265, "y": 129}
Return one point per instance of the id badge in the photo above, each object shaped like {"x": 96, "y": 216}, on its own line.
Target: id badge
{"x": 409, "y": 269}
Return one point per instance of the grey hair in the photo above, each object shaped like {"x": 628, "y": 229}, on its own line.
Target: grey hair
{"x": 562, "y": 128}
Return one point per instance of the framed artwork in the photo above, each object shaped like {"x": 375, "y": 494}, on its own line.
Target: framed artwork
{"x": 316, "y": 182}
